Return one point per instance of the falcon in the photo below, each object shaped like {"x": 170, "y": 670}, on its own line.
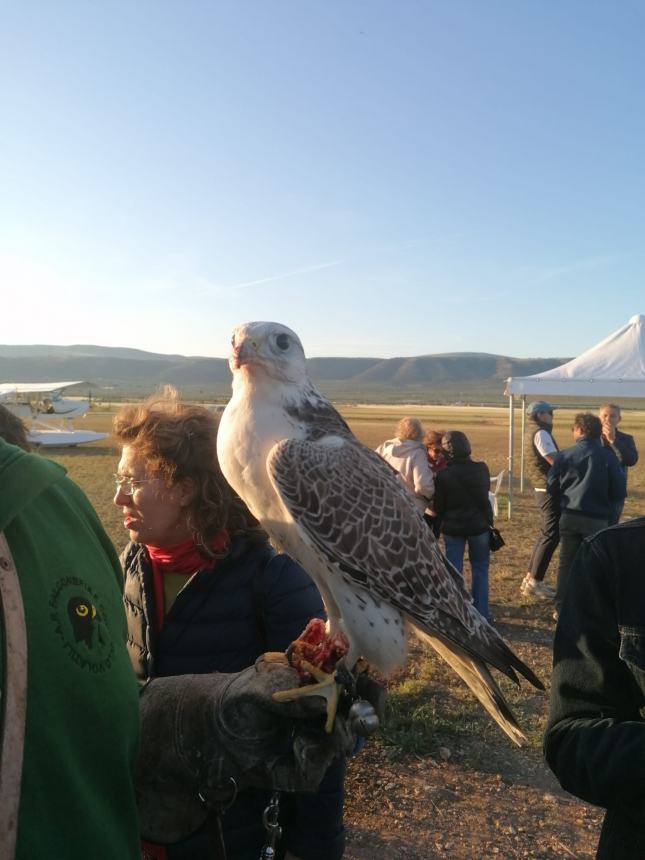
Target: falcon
{"x": 339, "y": 509}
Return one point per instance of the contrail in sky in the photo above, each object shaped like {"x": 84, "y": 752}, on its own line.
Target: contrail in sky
{"x": 549, "y": 274}
{"x": 280, "y": 277}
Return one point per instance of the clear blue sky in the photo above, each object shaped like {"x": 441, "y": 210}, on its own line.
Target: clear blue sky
{"x": 387, "y": 178}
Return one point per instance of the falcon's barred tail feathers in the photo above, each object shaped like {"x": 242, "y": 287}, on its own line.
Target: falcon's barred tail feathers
{"x": 476, "y": 675}
{"x": 336, "y": 507}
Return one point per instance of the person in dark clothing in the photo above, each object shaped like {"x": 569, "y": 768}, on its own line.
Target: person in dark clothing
{"x": 205, "y": 593}
{"x": 585, "y": 479}
{"x": 462, "y": 506}
{"x": 543, "y": 451}
{"x": 623, "y": 446}
{"x": 595, "y": 737}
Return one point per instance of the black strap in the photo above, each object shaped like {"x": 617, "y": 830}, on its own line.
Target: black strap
{"x": 216, "y": 836}
{"x": 216, "y": 809}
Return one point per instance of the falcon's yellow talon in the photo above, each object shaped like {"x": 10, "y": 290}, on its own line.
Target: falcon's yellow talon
{"x": 317, "y": 673}
{"x": 275, "y": 657}
{"x": 325, "y": 686}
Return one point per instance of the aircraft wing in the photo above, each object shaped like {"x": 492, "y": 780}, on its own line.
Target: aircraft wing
{"x": 11, "y": 388}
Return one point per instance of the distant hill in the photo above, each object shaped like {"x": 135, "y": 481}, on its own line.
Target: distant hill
{"x": 128, "y": 372}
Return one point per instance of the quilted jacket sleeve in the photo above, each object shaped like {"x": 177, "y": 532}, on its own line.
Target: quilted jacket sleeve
{"x": 595, "y": 738}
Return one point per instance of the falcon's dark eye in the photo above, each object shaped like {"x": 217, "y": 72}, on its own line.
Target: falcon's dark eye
{"x": 282, "y": 341}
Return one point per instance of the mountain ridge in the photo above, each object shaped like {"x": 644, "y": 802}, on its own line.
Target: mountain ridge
{"x": 136, "y": 371}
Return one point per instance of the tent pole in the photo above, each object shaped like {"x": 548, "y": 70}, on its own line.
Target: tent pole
{"x": 510, "y": 456}
{"x": 522, "y": 447}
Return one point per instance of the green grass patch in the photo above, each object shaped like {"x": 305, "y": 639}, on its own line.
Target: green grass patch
{"x": 419, "y": 719}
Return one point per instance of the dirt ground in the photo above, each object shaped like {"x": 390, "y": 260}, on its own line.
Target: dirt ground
{"x": 427, "y": 808}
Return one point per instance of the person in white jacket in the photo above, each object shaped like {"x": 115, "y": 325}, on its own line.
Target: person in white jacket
{"x": 407, "y": 454}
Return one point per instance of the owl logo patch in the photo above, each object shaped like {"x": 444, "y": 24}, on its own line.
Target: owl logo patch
{"x": 79, "y": 620}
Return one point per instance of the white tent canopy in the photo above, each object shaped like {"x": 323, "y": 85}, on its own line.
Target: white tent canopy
{"x": 615, "y": 368}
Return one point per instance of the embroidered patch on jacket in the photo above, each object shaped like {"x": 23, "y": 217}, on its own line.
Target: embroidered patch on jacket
{"x": 78, "y": 615}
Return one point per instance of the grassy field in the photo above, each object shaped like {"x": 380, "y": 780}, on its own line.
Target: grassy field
{"x": 436, "y": 733}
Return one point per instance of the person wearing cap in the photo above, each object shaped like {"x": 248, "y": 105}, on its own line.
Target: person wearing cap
{"x": 623, "y": 446}
{"x": 543, "y": 451}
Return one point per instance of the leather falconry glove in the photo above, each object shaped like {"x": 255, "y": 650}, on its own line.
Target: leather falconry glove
{"x": 203, "y": 737}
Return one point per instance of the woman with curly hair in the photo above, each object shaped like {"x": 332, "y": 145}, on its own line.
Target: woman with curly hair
{"x": 204, "y": 592}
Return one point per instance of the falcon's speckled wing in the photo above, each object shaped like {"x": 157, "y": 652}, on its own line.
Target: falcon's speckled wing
{"x": 350, "y": 504}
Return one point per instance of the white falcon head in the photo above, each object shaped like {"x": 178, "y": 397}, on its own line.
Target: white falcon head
{"x": 267, "y": 350}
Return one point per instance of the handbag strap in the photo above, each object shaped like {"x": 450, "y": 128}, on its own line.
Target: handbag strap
{"x": 13, "y": 699}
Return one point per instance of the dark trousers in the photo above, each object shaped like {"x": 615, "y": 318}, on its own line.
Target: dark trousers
{"x": 479, "y": 558}
{"x": 548, "y": 537}
{"x": 615, "y": 512}
{"x": 574, "y": 528}
{"x": 622, "y": 836}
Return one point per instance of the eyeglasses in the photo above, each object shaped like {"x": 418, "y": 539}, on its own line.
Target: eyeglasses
{"x": 127, "y": 485}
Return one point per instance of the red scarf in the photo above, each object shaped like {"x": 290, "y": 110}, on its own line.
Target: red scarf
{"x": 183, "y": 558}
{"x": 154, "y": 852}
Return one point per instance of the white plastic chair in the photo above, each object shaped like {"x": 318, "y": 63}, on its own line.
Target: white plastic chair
{"x": 495, "y": 487}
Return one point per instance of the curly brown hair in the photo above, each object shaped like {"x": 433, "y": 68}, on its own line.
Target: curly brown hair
{"x": 178, "y": 440}
{"x": 433, "y": 438}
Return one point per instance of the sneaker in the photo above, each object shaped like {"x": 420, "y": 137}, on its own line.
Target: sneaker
{"x": 537, "y": 589}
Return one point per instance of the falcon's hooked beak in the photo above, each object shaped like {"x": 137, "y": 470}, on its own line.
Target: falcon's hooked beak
{"x": 243, "y": 353}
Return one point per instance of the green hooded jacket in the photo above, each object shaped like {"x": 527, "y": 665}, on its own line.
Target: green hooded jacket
{"x": 82, "y": 726}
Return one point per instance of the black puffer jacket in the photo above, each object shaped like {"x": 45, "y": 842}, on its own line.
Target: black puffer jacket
{"x": 461, "y": 491}
{"x": 221, "y": 621}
